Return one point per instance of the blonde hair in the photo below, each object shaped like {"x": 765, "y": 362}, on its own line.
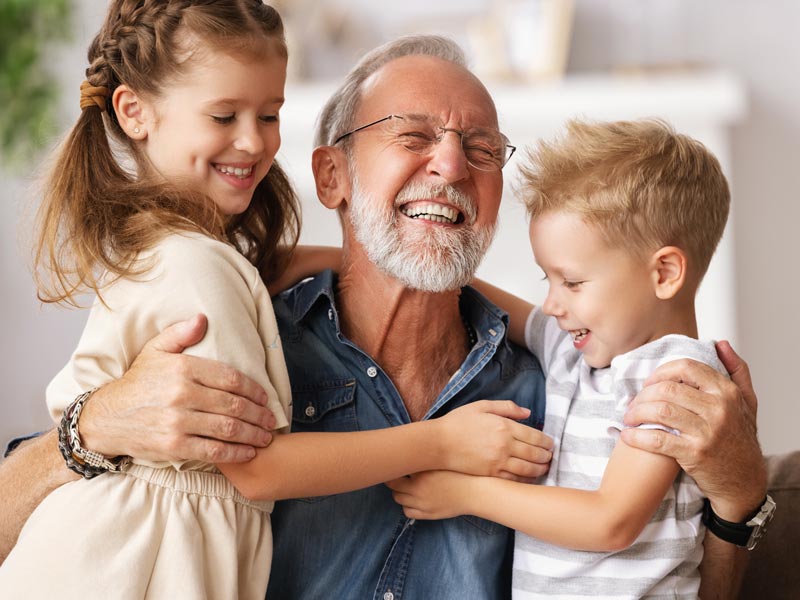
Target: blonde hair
{"x": 643, "y": 185}
{"x": 97, "y": 215}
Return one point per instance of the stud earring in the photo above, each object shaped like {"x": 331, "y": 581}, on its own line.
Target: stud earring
{"x": 136, "y": 130}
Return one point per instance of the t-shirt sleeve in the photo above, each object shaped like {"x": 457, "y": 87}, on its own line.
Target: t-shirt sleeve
{"x": 630, "y": 370}
{"x": 189, "y": 275}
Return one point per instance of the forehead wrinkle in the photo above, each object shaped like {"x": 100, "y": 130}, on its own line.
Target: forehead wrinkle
{"x": 471, "y": 105}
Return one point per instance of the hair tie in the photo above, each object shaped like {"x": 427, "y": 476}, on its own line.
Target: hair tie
{"x": 93, "y": 96}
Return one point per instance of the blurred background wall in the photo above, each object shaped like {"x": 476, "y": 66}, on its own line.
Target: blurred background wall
{"x": 628, "y": 57}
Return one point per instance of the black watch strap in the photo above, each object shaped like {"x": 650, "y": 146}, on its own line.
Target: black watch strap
{"x": 746, "y": 533}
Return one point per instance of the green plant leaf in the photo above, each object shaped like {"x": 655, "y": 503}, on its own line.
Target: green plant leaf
{"x": 28, "y": 93}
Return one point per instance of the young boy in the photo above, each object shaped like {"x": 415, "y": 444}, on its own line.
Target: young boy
{"x": 624, "y": 220}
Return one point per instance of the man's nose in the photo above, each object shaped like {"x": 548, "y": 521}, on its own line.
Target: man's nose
{"x": 447, "y": 159}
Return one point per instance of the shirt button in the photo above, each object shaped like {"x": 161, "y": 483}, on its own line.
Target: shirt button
{"x": 310, "y": 411}
{"x": 388, "y": 596}
{"x": 372, "y": 372}
{"x": 330, "y": 314}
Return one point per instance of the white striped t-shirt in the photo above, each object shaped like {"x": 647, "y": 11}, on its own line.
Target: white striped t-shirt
{"x": 583, "y": 415}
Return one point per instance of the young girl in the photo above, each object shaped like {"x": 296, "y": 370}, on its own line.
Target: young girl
{"x": 624, "y": 221}
{"x": 190, "y": 91}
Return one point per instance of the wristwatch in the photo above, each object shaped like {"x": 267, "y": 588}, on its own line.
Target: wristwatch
{"x": 84, "y": 462}
{"x": 745, "y": 534}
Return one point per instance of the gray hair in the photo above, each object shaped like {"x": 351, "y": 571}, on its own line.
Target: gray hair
{"x": 338, "y": 113}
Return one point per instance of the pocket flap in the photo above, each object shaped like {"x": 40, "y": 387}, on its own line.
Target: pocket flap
{"x": 312, "y": 403}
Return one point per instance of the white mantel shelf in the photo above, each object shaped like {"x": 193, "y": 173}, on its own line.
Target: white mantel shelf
{"x": 702, "y": 96}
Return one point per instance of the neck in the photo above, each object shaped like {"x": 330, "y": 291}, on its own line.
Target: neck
{"x": 679, "y": 317}
{"x": 417, "y": 338}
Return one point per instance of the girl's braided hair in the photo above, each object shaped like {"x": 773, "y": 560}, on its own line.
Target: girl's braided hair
{"x": 98, "y": 213}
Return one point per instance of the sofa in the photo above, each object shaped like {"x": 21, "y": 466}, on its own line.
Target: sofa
{"x": 773, "y": 571}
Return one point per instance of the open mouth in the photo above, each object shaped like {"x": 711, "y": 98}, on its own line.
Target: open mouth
{"x": 240, "y": 172}
{"x": 437, "y": 213}
{"x": 579, "y": 334}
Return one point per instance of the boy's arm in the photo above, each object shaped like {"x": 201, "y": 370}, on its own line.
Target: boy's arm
{"x": 608, "y": 519}
{"x": 517, "y": 309}
{"x": 718, "y": 447}
{"x": 479, "y": 438}
{"x": 305, "y": 262}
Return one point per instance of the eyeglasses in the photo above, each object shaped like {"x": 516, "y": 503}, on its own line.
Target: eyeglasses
{"x": 486, "y": 149}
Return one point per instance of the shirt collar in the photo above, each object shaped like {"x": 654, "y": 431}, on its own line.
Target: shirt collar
{"x": 306, "y": 294}
{"x": 489, "y": 321}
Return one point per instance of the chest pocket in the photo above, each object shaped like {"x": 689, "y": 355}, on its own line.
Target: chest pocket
{"x": 328, "y": 406}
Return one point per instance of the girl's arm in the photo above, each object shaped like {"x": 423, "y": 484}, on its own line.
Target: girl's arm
{"x": 478, "y": 438}
{"x": 517, "y": 309}
{"x": 198, "y": 275}
{"x": 305, "y": 262}
{"x": 607, "y": 519}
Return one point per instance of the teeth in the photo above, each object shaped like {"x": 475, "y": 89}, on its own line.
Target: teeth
{"x": 579, "y": 334}
{"x": 432, "y": 212}
{"x": 236, "y": 171}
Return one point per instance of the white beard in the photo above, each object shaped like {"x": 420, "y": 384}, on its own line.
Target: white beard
{"x": 430, "y": 259}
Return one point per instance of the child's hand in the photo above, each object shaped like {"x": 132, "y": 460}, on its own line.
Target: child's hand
{"x": 433, "y": 494}
{"x": 482, "y": 438}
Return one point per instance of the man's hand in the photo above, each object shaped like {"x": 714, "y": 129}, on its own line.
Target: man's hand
{"x": 718, "y": 445}
{"x": 173, "y": 406}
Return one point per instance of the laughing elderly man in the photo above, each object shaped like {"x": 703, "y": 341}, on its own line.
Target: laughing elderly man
{"x": 411, "y": 157}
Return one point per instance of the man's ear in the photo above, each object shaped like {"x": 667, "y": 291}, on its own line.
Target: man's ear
{"x": 669, "y": 266}
{"x": 130, "y": 111}
{"x": 331, "y": 176}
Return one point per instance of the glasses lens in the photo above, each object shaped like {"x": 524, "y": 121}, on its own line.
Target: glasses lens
{"x": 415, "y": 133}
{"x": 485, "y": 148}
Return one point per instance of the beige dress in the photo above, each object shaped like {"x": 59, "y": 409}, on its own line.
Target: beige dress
{"x": 159, "y": 530}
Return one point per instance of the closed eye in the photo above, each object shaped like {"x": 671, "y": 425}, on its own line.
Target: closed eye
{"x": 223, "y": 119}
{"x": 572, "y": 285}
{"x": 269, "y": 118}
{"x": 416, "y": 135}
{"x": 415, "y": 141}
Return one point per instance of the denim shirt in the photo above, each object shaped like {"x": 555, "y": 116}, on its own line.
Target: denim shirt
{"x": 359, "y": 544}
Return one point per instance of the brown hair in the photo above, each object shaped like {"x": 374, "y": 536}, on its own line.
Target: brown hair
{"x": 97, "y": 215}
{"x": 641, "y": 183}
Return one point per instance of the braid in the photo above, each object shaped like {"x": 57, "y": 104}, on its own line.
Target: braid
{"x": 96, "y": 215}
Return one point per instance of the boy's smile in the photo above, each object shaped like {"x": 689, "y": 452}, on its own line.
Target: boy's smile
{"x": 603, "y": 296}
